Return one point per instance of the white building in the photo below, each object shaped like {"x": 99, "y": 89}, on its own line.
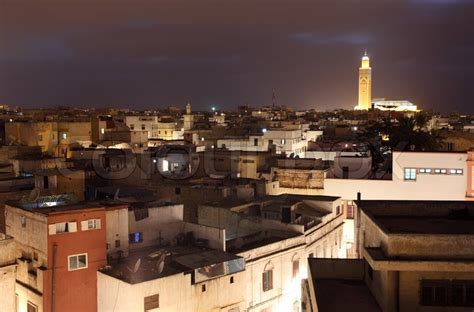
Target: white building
{"x": 394, "y": 105}
{"x": 143, "y": 123}
{"x": 292, "y": 143}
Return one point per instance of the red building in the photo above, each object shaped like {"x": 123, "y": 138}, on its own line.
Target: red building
{"x": 61, "y": 249}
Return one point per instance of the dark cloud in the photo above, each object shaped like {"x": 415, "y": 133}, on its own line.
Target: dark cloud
{"x": 150, "y": 54}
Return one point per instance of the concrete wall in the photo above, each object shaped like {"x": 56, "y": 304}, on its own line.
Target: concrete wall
{"x": 176, "y": 293}
{"x": 117, "y": 230}
{"x": 409, "y": 288}
{"x": 286, "y": 290}
{"x": 7, "y": 273}
{"x": 426, "y": 186}
{"x": 32, "y": 237}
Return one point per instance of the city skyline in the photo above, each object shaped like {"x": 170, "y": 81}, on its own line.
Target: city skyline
{"x": 158, "y": 53}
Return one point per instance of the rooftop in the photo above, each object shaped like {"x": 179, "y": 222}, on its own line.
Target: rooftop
{"x": 421, "y": 217}
{"x": 144, "y": 264}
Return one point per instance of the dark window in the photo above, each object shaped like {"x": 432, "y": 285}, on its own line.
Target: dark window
{"x": 296, "y": 268}
{"x": 370, "y": 271}
{"x": 447, "y": 293}
{"x": 255, "y": 142}
{"x": 152, "y": 302}
{"x": 45, "y": 182}
{"x": 338, "y": 210}
{"x": 117, "y": 243}
{"x": 232, "y": 280}
{"x": 267, "y": 280}
{"x": 177, "y": 190}
{"x": 136, "y": 237}
{"x": 30, "y": 307}
{"x": 350, "y": 212}
{"x": 203, "y": 288}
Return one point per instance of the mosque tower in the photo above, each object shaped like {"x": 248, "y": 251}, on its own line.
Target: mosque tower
{"x": 188, "y": 117}
{"x": 365, "y": 84}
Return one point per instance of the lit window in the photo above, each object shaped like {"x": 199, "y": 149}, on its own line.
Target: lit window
{"x": 136, "y": 237}
{"x": 282, "y": 141}
{"x": 64, "y": 135}
{"x": 440, "y": 171}
{"x": 424, "y": 170}
{"x": 102, "y": 130}
{"x": 77, "y": 262}
{"x": 455, "y": 171}
{"x": 410, "y": 174}
{"x": 267, "y": 280}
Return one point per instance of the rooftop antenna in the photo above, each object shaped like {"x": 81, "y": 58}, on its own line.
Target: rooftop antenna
{"x": 273, "y": 98}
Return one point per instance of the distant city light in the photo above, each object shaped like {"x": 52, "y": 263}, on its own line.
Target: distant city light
{"x": 264, "y": 130}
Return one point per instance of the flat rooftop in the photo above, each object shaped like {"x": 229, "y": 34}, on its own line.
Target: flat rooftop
{"x": 143, "y": 265}
{"x": 62, "y": 205}
{"x": 344, "y": 295}
{"x": 339, "y": 285}
{"x": 421, "y": 217}
{"x": 423, "y": 225}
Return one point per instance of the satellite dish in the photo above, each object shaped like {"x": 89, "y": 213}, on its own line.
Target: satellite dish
{"x": 136, "y": 266}
{"x": 160, "y": 265}
{"x": 34, "y": 195}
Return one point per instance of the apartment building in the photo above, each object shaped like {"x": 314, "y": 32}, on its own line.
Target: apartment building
{"x": 30, "y": 133}
{"x": 416, "y": 256}
{"x": 59, "y": 250}
{"x": 164, "y": 254}
{"x": 275, "y": 235}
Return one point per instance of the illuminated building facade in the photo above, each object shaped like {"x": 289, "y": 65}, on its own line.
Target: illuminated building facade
{"x": 365, "y": 84}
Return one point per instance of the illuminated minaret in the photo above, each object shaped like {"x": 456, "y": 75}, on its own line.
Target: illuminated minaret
{"x": 188, "y": 117}
{"x": 365, "y": 84}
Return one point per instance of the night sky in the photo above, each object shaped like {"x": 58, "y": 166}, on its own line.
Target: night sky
{"x": 151, "y": 54}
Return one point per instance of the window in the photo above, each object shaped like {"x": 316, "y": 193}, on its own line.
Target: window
{"x": 102, "y": 130}
{"x": 117, "y": 243}
{"x": 447, "y": 293}
{"x": 296, "y": 268}
{"x": 410, "y": 174}
{"x": 255, "y": 142}
{"x": 440, "y": 171}
{"x": 152, "y": 302}
{"x": 203, "y": 287}
{"x": 232, "y": 280}
{"x": 77, "y": 262}
{"x": 424, "y": 170}
{"x": 30, "y": 307}
{"x": 282, "y": 141}
{"x": 267, "y": 280}
{"x": 92, "y": 224}
{"x": 136, "y": 237}
{"x": 177, "y": 190}
{"x": 455, "y": 171}
{"x": 143, "y": 127}
{"x": 350, "y": 211}
{"x": 338, "y": 210}
{"x": 63, "y": 227}
{"x": 64, "y": 135}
